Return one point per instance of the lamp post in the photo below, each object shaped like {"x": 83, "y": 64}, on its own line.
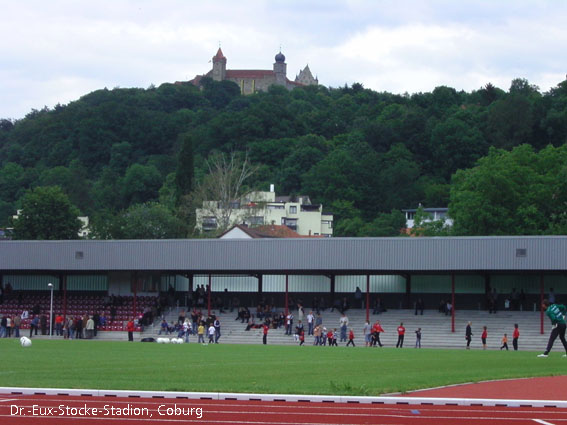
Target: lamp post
{"x": 50, "y": 286}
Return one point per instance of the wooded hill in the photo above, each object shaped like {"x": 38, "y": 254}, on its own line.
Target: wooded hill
{"x": 364, "y": 155}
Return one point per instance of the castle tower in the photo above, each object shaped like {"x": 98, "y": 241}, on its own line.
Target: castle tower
{"x": 280, "y": 69}
{"x": 306, "y": 77}
{"x": 219, "y": 66}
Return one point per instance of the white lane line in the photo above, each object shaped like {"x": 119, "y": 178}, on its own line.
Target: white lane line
{"x": 539, "y": 421}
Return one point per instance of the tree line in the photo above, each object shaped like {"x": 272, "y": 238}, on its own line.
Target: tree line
{"x": 133, "y": 159}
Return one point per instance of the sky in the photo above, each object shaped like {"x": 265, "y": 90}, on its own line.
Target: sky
{"x": 53, "y": 52}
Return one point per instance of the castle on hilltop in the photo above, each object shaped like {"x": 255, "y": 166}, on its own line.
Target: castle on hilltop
{"x": 253, "y": 80}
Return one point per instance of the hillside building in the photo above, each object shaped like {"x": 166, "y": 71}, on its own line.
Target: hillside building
{"x": 254, "y": 80}
{"x": 265, "y": 208}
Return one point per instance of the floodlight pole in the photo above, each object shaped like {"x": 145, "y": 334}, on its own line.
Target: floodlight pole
{"x": 50, "y": 286}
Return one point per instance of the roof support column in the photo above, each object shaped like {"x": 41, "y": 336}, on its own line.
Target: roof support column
{"x": 367, "y": 297}
{"x": 332, "y": 305}
{"x": 63, "y": 285}
{"x": 286, "y": 294}
{"x": 453, "y": 302}
{"x": 541, "y": 296}
{"x": 135, "y": 282}
{"x": 189, "y": 301}
{"x": 209, "y": 295}
{"x": 260, "y": 283}
{"x": 408, "y": 291}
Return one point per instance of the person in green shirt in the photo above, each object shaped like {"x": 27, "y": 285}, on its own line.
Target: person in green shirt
{"x": 556, "y": 312}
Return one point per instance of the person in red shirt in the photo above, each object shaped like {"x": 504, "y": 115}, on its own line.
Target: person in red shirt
{"x": 350, "y": 338}
{"x": 401, "y": 333}
{"x": 376, "y": 329}
{"x": 301, "y": 337}
{"x": 515, "y": 337}
{"x": 59, "y": 325}
{"x": 130, "y": 329}
{"x": 330, "y": 337}
{"x": 483, "y": 337}
{"x": 265, "y": 328}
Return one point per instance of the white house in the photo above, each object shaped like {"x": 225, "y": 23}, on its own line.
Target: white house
{"x": 435, "y": 214}
{"x": 265, "y": 208}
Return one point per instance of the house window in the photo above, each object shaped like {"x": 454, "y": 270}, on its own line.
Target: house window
{"x": 209, "y": 223}
{"x": 256, "y": 220}
{"x": 293, "y": 209}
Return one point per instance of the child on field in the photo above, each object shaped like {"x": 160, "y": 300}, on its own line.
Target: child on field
{"x": 301, "y": 337}
{"x": 483, "y": 337}
{"x": 334, "y": 339}
{"x": 201, "y": 333}
{"x": 504, "y": 342}
{"x": 418, "y": 338}
{"x": 350, "y": 338}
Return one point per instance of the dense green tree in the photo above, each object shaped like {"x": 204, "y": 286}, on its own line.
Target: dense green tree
{"x": 521, "y": 192}
{"x": 47, "y": 213}
{"x": 140, "y": 184}
{"x": 140, "y": 221}
{"x": 11, "y": 182}
{"x": 380, "y": 151}
{"x": 185, "y": 169}
{"x": 385, "y": 224}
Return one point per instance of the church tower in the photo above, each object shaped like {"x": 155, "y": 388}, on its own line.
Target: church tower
{"x": 280, "y": 69}
{"x": 219, "y": 66}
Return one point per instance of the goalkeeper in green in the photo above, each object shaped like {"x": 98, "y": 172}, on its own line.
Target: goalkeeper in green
{"x": 556, "y": 312}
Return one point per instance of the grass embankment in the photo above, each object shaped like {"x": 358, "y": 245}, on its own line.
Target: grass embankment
{"x": 257, "y": 368}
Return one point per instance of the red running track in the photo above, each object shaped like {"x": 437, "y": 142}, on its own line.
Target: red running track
{"x": 76, "y": 410}
{"x": 547, "y": 388}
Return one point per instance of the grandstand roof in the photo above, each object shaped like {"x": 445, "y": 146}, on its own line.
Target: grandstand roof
{"x": 280, "y": 256}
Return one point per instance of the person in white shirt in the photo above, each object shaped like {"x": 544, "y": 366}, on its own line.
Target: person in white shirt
{"x": 310, "y": 319}
{"x": 343, "y": 322}
{"x": 211, "y": 334}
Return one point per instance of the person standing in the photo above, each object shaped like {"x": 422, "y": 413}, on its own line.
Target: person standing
{"x": 401, "y": 333}
{"x": 343, "y": 322}
{"x": 556, "y": 313}
{"x": 130, "y": 329}
{"x": 211, "y": 334}
{"x": 504, "y": 342}
{"x": 418, "y": 338}
{"x": 16, "y": 324}
{"x": 515, "y": 337}
{"x": 350, "y": 338}
{"x": 483, "y": 337}
{"x": 216, "y": 324}
{"x": 289, "y": 323}
{"x": 89, "y": 330}
{"x": 310, "y": 319}
{"x": 265, "y": 329}
{"x": 468, "y": 335}
{"x": 367, "y": 332}
{"x": 376, "y": 330}
{"x": 201, "y": 333}
{"x": 34, "y": 325}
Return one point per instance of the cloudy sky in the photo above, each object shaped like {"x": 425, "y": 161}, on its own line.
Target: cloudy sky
{"x": 58, "y": 50}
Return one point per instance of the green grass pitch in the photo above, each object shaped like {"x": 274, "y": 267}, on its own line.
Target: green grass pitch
{"x": 257, "y": 368}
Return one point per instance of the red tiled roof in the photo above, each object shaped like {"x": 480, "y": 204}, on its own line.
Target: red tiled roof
{"x": 269, "y": 231}
{"x": 219, "y": 54}
{"x": 248, "y": 73}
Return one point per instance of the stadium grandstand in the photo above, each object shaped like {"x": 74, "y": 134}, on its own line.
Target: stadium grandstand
{"x": 148, "y": 279}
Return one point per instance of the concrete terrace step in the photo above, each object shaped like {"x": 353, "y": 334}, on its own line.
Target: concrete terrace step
{"x": 436, "y": 328}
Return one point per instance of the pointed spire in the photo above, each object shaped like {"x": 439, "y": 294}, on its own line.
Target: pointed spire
{"x": 219, "y": 54}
